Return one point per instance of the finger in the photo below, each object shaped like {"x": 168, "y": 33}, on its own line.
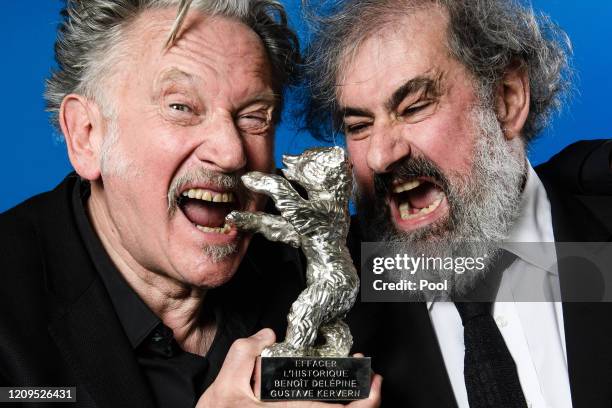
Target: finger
{"x": 374, "y": 399}
{"x": 358, "y": 355}
{"x": 257, "y": 378}
{"x": 240, "y": 360}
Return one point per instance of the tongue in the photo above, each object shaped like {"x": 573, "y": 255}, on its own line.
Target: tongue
{"x": 206, "y": 215}
{"x": 423, "y": 195}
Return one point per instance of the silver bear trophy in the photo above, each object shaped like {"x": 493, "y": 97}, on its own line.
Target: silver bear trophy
{"x": 319, "y": 225}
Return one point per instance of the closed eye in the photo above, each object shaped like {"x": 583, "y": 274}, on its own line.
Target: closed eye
{"x": 256, "y": 122}
{"x": 356, "y": 128}
{"x": 417, "y": 107}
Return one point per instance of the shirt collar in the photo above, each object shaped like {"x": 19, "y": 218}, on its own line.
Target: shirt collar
{"x": 533, "y": 226}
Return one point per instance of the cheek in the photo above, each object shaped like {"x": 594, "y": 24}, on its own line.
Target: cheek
{"x": 260, "y": 153}
{"x": 447, "y": 141}
{"x": 156, "y": 150}
{"x": 260, "y": 157}
{"x": 358, "y": 151}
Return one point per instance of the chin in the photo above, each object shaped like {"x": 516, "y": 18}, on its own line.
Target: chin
{"x": 211, "y": 272}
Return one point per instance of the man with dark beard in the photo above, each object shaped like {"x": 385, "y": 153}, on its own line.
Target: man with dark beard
{"x": 438, "y": 101}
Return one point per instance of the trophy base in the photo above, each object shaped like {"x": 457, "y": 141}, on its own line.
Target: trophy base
{"x": 315, "y": 378}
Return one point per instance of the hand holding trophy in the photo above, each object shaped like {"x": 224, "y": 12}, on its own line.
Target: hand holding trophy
{"x": 312, "y": 363}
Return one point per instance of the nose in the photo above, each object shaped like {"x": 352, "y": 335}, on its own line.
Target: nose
{"x": 222, "y": 146}
{"x": 387, "y": 147}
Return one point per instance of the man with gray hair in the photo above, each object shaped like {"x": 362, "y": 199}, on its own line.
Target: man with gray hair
{"x": 125, "y": 281}
{"x": 438, "y": 100}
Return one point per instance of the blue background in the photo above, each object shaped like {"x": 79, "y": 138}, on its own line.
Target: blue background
{"x": 33, "y": 157}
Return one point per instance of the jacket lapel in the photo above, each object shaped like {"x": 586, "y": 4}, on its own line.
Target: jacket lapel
{"x": 92, "y": 341}
{"x": 588, "y": 327}
{"x": 588, "y": 336}
{"x": 82, "y": 320}
{"x": 417, "y": 363}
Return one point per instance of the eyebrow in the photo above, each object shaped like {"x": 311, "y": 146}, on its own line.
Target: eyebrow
{"x": 344, "y": 112}
{"x": 429, "y": 86}
{"x": 176, "y": 75}
{"x": 171, "y": 75}
{"x": 264, "y": 97}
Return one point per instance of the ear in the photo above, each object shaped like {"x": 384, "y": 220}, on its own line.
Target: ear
{"x": 512, "y": 100}
{"x": 83, "y": 127}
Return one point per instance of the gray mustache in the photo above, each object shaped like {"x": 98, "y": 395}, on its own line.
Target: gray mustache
{"x": 229, "y": 182}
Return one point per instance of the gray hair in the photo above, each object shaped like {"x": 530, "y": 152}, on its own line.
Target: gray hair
{"x": 86, "y": 49}
{"x": 486, "y": 36}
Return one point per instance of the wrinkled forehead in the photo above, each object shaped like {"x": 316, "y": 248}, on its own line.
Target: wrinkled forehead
{"x": 151, "y": 25}
{"x": 218, "y": 50}
{"x": 407, "y": 46}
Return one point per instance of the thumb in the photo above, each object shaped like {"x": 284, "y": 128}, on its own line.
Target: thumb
{"x": 240, "y": 360}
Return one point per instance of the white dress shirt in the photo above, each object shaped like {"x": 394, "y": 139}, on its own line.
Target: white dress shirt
{"x": 533, "y": 331}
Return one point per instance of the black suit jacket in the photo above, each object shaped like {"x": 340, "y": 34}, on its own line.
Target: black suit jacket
{"x": 400, "y": 337}
{"x": 58, "y": 326}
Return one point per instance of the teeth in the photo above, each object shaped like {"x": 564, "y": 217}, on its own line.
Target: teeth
{"x": 409, "y": 185}
{"x": 225, "y": 229}
{"x": 405, "y": 209}
{"x": 206, "y": 195}
{"x": 431, "y": 207}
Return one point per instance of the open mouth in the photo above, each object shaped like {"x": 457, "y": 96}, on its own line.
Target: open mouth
{"x": 417, "y": 202}
{"x": 206, "y": 209}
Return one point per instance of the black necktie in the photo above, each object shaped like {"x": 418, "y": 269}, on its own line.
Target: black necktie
{"x": 490, "y": 374}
